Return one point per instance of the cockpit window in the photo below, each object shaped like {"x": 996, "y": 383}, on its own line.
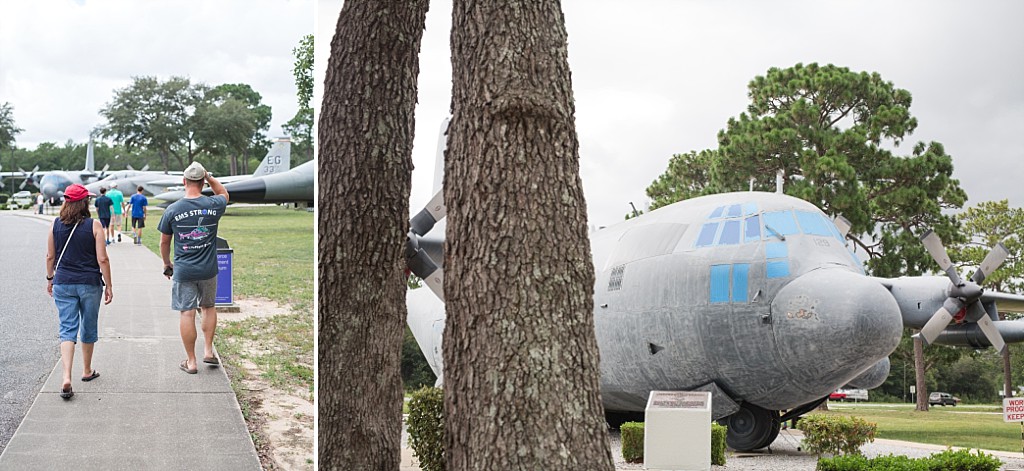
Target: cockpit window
{"x": 730, "y": 233}
{"x": 707, "y": 234}
{"x": 717, "y": 213}
{"x": 752, "y": 231}
{"x": 813, "y": 223}
{"x": 735, "y": 211}
{"x": 781, "y": 222}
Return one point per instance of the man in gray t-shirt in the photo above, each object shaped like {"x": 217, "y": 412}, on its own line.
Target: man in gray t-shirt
{"x": 191, "y": 223}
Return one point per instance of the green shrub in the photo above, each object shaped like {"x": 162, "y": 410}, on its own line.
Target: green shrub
{"x": 948, "y": 460}
{"x": 633, "y": 442}
{"x": 426, "y": 427}
{"x": 718, "y": 433}
{"x": 836, "y": 434}
{"x": 963, "y": 460}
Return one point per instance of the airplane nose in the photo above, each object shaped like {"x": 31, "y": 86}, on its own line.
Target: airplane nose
{"x": 48, "y": 190}
{"x": 832, "y": 324}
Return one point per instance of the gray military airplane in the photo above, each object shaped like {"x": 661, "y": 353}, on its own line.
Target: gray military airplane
{"x": 754, "y": 297}
{"x": 53, "y": 182}
{"x": 277, "y": 160}
{"x": 272, "y": 182}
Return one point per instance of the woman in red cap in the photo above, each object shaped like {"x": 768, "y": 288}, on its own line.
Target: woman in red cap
{"x": 77, "y": 268}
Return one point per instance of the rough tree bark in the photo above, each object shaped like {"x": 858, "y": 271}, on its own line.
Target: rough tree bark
{"x": 365, "y": 164}
{"x": 520, "y": 355}
{"x": 922, "y": 387}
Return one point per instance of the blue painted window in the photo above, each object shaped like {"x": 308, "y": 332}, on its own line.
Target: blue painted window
{"x": 730, "y": 233}
{"x": 752, "y": 231}
{"x": 778, "y": 269}
{"x": 735, "y": 210}
{"x": 707, "y": 234}
{"x": 813, "y": 223}
{"x": 720, "y": 283}
{"x": 749, "y": 208}
{"x": 775, "y": 250}
{"x": 739, "y": 282}
{"x": 717, "y": 213}
{"x": 781, "y": 221}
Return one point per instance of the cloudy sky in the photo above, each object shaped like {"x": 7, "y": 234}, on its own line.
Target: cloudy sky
{"x": 656, "y": 78}
{"x": 62, "y": 60}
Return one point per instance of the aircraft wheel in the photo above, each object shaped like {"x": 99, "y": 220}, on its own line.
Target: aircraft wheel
{"x": 751, "y": 428}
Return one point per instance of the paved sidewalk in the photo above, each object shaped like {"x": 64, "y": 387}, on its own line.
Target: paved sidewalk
{"x": 142, "y": 412}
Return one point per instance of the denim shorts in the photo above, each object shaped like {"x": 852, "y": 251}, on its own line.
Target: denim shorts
{"x": 187, "y": 295}
{"x": 79, "y": 309}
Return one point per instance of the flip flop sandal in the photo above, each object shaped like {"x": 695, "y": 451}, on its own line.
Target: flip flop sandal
{"x": 95, "y": 374}
{"x": 184, "y": 367}
{"x": 211, "y": 361}
{"x": 66, "y": 393}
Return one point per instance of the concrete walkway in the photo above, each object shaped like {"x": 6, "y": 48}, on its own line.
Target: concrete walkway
{"x": 142, "y": 412}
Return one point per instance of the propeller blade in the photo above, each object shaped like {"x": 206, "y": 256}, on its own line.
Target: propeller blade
{"x": 435, "y": 281}
{"x": 933, "y": 244}
{"x": 144, "y": 168}
{"x": 23, "y": 183}
{"x": 992, "y": 334}
{"x": 129, "y": 167}
{"x": 435, "y": 211}
{"x": 992, "y": 261}
{"x": 843, "y": 225}
{"x": 935, "y": 325}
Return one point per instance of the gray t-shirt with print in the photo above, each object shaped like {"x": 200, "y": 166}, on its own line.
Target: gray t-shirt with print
{"x": 192, "y": 225}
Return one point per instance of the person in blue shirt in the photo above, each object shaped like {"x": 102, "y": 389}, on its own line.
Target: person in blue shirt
{"x": 138, "y": 205}
{"x": 103, "y": 205}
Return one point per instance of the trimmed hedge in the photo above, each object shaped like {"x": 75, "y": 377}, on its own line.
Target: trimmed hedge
{"x": 948, "y": 460}
{"x": 633, "y": 442}
{"x": 718, "y": 433}
{"x": 836, "y": 434}
{"x": 426, "y": 427}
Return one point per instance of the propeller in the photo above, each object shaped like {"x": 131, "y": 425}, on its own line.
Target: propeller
{"x": 843, "y": 225}
{"x": 962, "y": 303}
{"x": 28, "y": 178}
{"x": 103, "y": 172}
{"x": 418, "y": 249}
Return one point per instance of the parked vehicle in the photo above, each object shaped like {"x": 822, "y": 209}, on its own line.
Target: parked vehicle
{"x": 21, "y": 199}
{"x": 942, "y": 399}
{"x": 837, "y": 396}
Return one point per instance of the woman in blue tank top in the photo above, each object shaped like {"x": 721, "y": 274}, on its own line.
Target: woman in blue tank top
{"x": 77, "y": 268}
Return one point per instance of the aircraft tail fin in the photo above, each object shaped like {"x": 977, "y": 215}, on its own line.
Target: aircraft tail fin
{"x": 442, "y": 145}
{"x": 90, "y": 158}
{"x": 278, "y": 159}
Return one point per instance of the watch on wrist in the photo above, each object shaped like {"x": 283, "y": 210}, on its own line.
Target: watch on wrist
{"x": 49, "y": 278}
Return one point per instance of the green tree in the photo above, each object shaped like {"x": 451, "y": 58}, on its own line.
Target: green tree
{"x": 8, "y": 130}
{"x": 253, "y": 113}
{"x": 300, "y": 127}
{"x": 416, "y": 372}
{"x": 155, "y": 115}
{"x": 828, "y": 130}
{"x": 984, "y": 226}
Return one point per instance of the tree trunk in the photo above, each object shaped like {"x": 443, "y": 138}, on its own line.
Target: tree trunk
{"x": 234, "y": 164}
{"x": 520, "y": 355}
{"x": 922, "y": 388}
{"x": 366, "y": 135}
{"x": 1007, "y": 371}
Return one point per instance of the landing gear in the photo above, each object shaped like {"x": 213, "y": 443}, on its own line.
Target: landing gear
{"x": 751, "y": 428}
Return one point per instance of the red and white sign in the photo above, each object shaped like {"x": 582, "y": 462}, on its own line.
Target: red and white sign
{"x": 1013, "y": 409}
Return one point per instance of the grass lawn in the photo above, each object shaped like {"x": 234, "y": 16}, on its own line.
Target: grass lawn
{"x": 273, "y": 258}
{"x": 963, "y": 426}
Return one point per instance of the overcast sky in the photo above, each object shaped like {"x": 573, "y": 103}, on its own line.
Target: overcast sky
{"x": 62, "y": 60}
{"x": 656, "y": 78}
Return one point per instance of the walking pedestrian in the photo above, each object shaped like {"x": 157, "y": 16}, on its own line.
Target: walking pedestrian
{"x": 103, "y": 205}
{"x": 192, "y": 224}
{"x": 40, "y": 201}
{"x": 77, "y": 269}
{"x": 118, "y": 198}
{"x": 139, "y": 205}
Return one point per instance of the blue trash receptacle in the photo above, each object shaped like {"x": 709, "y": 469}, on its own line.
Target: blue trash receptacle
{"x": 225, "y": 294}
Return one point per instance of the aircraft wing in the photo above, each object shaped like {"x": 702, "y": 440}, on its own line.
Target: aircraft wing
{"x": 1005, "y": 302}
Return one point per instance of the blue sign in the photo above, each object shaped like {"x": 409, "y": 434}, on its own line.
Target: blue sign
{"x": 224, "y": 294}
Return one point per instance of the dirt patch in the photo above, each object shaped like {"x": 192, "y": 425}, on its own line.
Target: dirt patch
{"x": 280, "y": 419}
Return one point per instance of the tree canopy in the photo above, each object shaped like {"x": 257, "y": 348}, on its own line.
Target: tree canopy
{"x": 8, "y": 130}
{"x": 834, "y": 134}
{"x": 301, "y": 126}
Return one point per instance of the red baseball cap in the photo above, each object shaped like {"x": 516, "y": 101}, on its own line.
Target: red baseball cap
{"x": 75, "y": 192}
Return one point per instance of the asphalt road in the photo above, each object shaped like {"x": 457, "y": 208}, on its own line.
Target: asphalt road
{"x": 28, "y": 319}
